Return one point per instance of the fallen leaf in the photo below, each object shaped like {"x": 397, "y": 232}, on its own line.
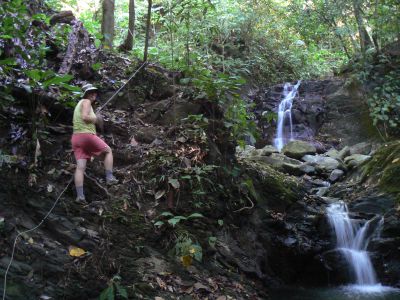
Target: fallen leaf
{"x": 395, "y": 160}
{"x": 51, "y": 172}
{"x": 200, "y": 286}
{"x": 30, "y": 241}
{"x": 158, "y": 298}
{"x": 161, "y": 283}
{"x": 134, "y": 143}
{"x": 189, "y": 290}
{"x": 186, "y": 260}
{"x": 159, "y": 194}
{"x": 222, "y": 298}
{"x": 76, "y": 252}
{"x": 50, "y": 188}
{"x": 37, "y": 152}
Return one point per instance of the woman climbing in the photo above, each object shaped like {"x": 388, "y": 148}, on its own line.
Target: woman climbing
{"x": 85, "y": 142}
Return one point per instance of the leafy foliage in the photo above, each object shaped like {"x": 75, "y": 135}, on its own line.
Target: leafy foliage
{"x": 114, "y": 289}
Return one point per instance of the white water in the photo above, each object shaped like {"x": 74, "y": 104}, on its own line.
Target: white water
{"x": 352, "y": 240}
{"x": 283, "y": 135}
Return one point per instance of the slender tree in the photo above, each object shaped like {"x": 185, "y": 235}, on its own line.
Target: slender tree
{"x": 365, "y": 40}
{"x": 108, "y": 22}
{"x": 127, "y": 45}
{"x": 146, "y": 45}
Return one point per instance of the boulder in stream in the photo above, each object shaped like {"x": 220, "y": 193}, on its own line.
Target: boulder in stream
{"x": 322, "y": 163}
{"x": 297, "y": 149}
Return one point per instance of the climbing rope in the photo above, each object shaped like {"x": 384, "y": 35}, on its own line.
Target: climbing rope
{"x": 130, "y": 78}
{"x": 59, "y": 197}
{"x": 27, "y": 231}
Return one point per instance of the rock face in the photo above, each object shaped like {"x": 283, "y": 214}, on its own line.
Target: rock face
{"x": 325, "y": 111}
{"x": 297, "y": 149}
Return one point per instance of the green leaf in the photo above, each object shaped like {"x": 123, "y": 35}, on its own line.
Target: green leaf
{"x": 174, "y": 182}
{"x": 36, "y": 75}
{"x": 8, "y": 62}
{"x": 176, "y": 220}
{"x": 96, "y": 66}
{"x": 195, "y": 215}
{"x": 158, "y": 223}
{"x": 166, "y": 214}
{"x": 57, "y": 80}
{"x": 108, "y": 293}
{"x": 121, "y": 291}
{"x": 221, "y": 222}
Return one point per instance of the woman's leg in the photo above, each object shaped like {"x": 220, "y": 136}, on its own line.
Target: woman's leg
{"x": 79, "y": 177}
{"x": 108, "y": 166}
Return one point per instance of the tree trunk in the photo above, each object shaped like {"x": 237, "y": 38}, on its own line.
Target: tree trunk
{"x": 129, "y": 40}
{"x": 107, "y": 24}
{"x": 146, "y": 44}
{"x": 365, "y": 40}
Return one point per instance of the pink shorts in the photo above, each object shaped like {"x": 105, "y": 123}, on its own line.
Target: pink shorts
{"x": 86, "y": 145}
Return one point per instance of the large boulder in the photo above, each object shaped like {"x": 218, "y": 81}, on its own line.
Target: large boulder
{"x": 361, "y": 148}
{"x": 322, "y": 163}
{"x": 384, "y": 168}
{"x": 355, "y": 160}
{"x": 297, "y": 149}
{"x": 277, "y": 161}
{"x": 268, "y": 150}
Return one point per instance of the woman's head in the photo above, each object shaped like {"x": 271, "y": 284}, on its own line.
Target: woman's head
{"x": 90, "y": 92}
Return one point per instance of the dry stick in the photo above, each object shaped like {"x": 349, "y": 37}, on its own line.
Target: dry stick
{"x": 98, "y": 184}
{"x": 26, "y": 231}
{"x": 246, "y": 207}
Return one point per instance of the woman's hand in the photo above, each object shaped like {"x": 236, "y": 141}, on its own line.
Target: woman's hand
{"x": 99, "y": 121}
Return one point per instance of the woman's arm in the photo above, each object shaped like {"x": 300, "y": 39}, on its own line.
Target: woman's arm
{"x": 85, "y": 112}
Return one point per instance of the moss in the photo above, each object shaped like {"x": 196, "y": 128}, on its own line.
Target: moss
{"x": 275, "y": 189}
{"x": 384, "y": 168}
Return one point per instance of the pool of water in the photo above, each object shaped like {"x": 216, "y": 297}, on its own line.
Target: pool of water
{"x": 350, "y": 292}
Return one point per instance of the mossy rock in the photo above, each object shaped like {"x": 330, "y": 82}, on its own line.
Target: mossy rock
{"x": 384, "y": 168}
{"x": 274, "y": 189}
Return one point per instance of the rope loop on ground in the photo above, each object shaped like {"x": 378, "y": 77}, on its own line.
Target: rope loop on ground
{"x": 27, "y": 231}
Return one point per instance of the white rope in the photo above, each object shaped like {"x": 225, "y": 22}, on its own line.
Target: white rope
{"x": 26, "y": 231}
{"x": 130, "y": 78}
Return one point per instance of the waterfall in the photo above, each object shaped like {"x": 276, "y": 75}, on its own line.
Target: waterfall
{"x": 284, "y": 134}
{"x": 352, "y": 238}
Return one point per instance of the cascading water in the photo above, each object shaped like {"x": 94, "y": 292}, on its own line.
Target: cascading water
{"x": 284, "y": 134}
{"x": 352, "y": 240}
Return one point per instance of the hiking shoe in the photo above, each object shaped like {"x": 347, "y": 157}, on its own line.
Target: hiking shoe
{"x": 112, "y": 181}
{"x": 80, "y": 200}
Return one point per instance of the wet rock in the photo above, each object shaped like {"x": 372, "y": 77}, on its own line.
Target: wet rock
{"x": 268, "y": 150}
{"x": 344, "y": 152}
{"x": 335, "y": 175}
{"x": 307, "y": 169}
{"x": 337, "y": 267}
{"x": 355, "y": 160}
{"x": 322, "y": 163}
{"x": 277, "y": 161}
{"x": 297, "y": 149}
{"x": 321, "y": 191}
{"x": 247, "y": 151}
{"x": 374, "y": 203}
{"x": 333, "y": 153}
{"x": 361, "y": 148}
